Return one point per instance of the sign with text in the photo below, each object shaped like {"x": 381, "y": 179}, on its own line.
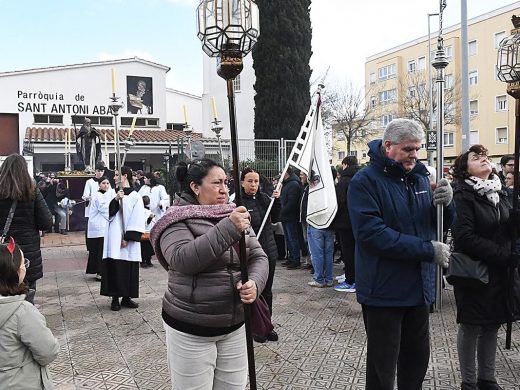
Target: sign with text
{"x": 431, "y": 140}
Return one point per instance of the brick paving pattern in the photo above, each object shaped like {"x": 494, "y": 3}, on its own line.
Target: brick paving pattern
{"x": 322, "y": 342}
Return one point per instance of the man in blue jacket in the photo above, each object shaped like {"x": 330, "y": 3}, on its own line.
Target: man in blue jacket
{"x": 393, "y": 215}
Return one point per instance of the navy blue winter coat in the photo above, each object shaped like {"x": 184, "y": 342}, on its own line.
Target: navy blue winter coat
{"x": 290, "y": 197}
{"x": 393, "y": 221}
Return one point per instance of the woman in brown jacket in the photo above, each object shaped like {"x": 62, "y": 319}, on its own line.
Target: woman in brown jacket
{"x": 202, "y": 308}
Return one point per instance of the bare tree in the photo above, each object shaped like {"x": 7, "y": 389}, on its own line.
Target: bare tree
{"x": 414, "y": 99}
{"x": 348, "y": 111}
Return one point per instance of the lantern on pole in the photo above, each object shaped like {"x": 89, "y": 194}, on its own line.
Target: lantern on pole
{"x": 508, "y": 71}
{"x": 440, "y": 62}
{"x": 228, "y": 30}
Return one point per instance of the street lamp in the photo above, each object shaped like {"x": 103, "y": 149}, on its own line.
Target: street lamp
{"x": 430, "y": 133}
{"x": 115, "y": 105}
{"x": 440, "y": 62}
{"x": 228, "y": 29}
{"x": 508, "y": 71}
{"x": 216, "y": 127}
{"x": 188, "y": 130}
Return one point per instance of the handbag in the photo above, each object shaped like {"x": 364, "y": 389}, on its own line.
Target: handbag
{"x": 3, "y": 239}
{"x": 463, "y": 271}
{"x": 261, "y": 323}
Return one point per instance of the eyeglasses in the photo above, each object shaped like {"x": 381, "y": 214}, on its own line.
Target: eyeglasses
{"x": 26, "y": 263}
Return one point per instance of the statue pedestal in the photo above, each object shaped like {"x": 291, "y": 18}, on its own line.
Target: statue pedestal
{"x": 75, "y": 182}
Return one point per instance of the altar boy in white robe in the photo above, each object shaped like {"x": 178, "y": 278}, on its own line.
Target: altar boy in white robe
{"x": 122, "y": 247}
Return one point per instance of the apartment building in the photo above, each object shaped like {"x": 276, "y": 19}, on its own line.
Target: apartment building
{"x": 396, "y": 82}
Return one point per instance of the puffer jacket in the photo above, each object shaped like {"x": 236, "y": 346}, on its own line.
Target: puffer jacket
{"x": 393, "y": 222}
{"x": 290, "y": 197}
{"x": 27, "y": 346}
{"x": 257, "y": 206}
{"x": 483, "y": 232}
{"x": 29, "y": 218}
{"x": 203, "y": 269}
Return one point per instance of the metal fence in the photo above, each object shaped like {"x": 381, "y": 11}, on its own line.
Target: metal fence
{"x": 267, "y": 156}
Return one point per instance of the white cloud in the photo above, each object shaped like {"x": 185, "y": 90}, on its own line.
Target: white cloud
{"x": 127, "y": 53}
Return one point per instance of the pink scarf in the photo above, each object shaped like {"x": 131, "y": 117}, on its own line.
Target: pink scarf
{"x": 176, "y": 214}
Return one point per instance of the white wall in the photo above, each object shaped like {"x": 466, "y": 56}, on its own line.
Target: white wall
{"x": 175, "y": 100}
{"x": 81, "y": 90}
{"x": 215, "y": 86}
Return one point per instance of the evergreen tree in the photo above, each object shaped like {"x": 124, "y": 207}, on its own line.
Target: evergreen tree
{"x": 281, "y": 62}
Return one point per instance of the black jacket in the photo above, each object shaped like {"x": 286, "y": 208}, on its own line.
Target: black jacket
{"x": 482, "y": 231}
{"x": 342, "y": 218}
{"x": 290, "y": 197}
{"x": 257, "y": 206}
{"x": 29, "y": 218}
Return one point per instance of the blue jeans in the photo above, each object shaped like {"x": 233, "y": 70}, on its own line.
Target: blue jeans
{"x": 321, "y": 245}
{"x": 290, "y": 231}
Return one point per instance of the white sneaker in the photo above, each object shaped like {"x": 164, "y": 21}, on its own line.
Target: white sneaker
{"x": 340, "y": 278}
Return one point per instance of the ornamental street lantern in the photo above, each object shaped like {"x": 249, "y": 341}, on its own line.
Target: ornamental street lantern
{"x": 227, "y": 25}
{"x": 228, "y": 29}
{"x": 508, "y": 61}
{"x": 508, "y": 70}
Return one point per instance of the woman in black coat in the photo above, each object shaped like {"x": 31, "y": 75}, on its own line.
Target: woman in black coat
{"x": 257, "y": 203}
{"x": 482, "y": 230}
{"x": 30, "y": 216}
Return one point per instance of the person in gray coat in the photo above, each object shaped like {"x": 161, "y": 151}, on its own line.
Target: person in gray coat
{"x": 196, "y": 242}
{"x": 27, "y": 345}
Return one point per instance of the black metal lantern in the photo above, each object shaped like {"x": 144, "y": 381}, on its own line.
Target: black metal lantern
{"x": 508, "y": 60}
{"x": 227, "y": 24}
{"x": 508, "y": 70}
{"x": 228, "y": 29}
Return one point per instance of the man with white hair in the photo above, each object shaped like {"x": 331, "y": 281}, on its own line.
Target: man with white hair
{"x": 393, "y": 214}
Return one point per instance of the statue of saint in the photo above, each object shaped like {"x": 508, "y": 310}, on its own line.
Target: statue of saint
{"x": 88, "y": 145}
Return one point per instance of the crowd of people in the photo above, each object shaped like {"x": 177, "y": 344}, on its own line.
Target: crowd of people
{"x": 385, "y": 233}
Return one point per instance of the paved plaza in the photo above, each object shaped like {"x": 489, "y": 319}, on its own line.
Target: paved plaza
{"x": 322, "y": 342}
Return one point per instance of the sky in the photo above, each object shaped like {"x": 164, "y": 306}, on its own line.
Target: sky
{"x": 36, "y": 33}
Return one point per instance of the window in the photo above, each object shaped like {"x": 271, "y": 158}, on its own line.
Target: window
{"x": 175, "y": 126}
{"x": 47, "y": 119}
{"x": 386, "y": 119}
{"x": 387, "y": 72}
{"x": 448, "y": 81}
{"x": 473, "y": 77}
{"x": 472, "y": 48}
{"x": 448, "y": 50}
{"x": 421, "y": 63}
{"x": 141, "y": 122}
{"x": 341, "y": 155}
{"x": 372, "y": 78}
{"x": 236, "y": 83}
{"x": 373, "y": 101}
{"x": 501, "y": 103}
{"x": 387, "y": 96}
{"x": 94, "y": 120}
{"x": 474, "y": 137}
{"x": 412, "y": 66}
{"x": 498, "y": 38}
{"x": 353, "y": 153}
{"x": 473, "y": 107}
{"x": 412, "y": 92}
{"x": 501, "y": 133}
{"x": 448, "y": 139}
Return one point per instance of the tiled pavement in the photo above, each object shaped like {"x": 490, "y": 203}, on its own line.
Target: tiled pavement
{"x": 322, "y": 341}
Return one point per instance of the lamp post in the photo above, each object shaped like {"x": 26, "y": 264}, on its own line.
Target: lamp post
{"x": 439, "y": 63}
{"x": 508, "y": 66}
{"x": 216, "y": 127}
{"x": 115, "y": 105}
{"x": 228, "y": 30}
{"x": 431, "y": 133}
